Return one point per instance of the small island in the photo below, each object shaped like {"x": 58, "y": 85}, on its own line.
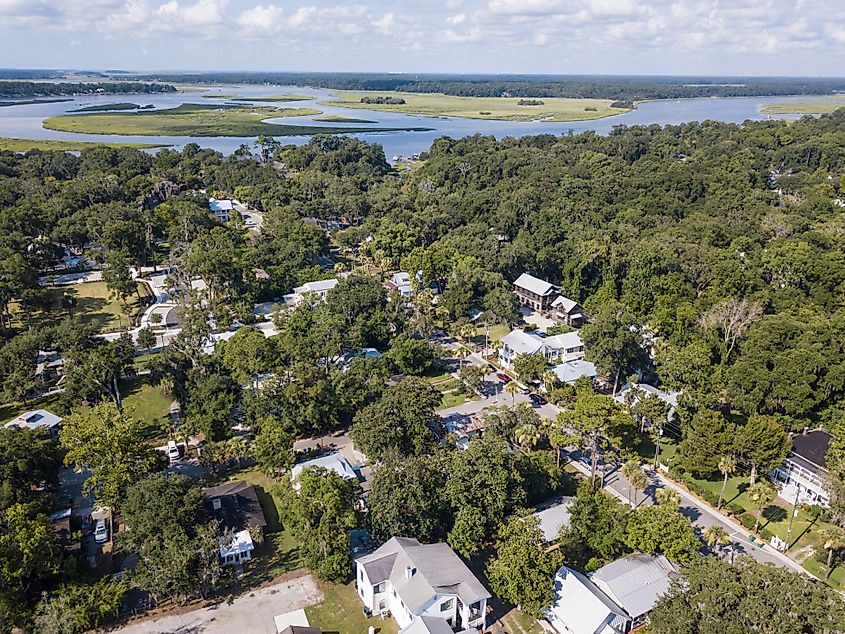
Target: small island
{"x": 530, "y": 102}
{"x": 383, "y": 101}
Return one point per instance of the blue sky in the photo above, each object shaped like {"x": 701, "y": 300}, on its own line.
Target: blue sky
{"x": 716, "y": 37}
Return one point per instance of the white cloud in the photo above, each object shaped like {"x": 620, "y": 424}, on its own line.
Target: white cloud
{"x": 261, "y": 20}
{"x": 385, "y": 25}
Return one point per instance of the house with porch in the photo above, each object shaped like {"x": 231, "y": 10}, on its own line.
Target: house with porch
{"x": 557, "y": 349}
{"x": 424, "y": 587}
{"x": 568, "y": 311}
{"x": 235, "y": 504}
{"x": 804, "y": 472}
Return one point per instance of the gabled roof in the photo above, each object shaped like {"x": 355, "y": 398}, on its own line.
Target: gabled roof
{"x": 564, "y": 341}
{"x": 636, "y": 582}
{"x": 301, "y": 629}
{"x": 331, "y": 462}
{"x": 554, "y": 518}
{"x": 565, "y": 303}
{"x": 436, "y": 570}
{"x": 535, "y": 285}
{"x": 522, "y": 342}
{"x": 239, "y": 506}
{"x": 580, "y": 606}
{"x": 220, "y": 205}
{"x": 316, "y": 287}
{"x": 812, "y": 447}
{"x": 428, "y": 625}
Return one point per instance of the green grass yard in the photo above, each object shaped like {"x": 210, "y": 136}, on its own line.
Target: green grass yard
{"x": 822, "y": 106}
{"x": 150, "y": 404}
{"x": 197, "y": 120}
{"x": 342, "y": 611}
{"x": 498, "y": 108}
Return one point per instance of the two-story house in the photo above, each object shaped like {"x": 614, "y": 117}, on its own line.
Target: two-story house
{"x": 568, "y": 311}
{"x": 535, "y": 293}
{"x": 317, "y": 291}
{"x": 804, "y": 472}
{"x": 557, "y": 349}
{"x": 423, "y": 586}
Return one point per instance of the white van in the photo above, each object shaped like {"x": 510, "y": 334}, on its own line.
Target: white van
{"x": 172, "y": 450}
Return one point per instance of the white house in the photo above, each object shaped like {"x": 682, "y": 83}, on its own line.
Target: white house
{"x": 400, "y": 282}
{"x": 235, "y": 505}
{"x": 559, "y": 348}
{"x": 804, "y": 471}
{"x": 421, "y": 582}
{"x": 333, "y": 462}
{"x": 38, "y": 419}
{"x": 581, "y": 608}
{"x": 632, "y": 393}
{"x": 221, "y": 208}
{"x": 236, "y": 548}
{"x": 317, "y": 290}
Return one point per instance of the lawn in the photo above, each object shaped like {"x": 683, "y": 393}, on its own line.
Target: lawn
{"x": 25, "y": 145}
{"x": 197, "y": 120}
{"x": 342, "y": 611}
{"x": 499, "y": 108}
{"x": 150, "y": 404}
{"x": 8, "y": 411}
{"x": 93, "y": 305}
{"x": 823, "y": 106}
{"x": 497, "y": 333}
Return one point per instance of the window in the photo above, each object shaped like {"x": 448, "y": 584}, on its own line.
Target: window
{"x": 378, "y": 588}
{"x": 394, "y": 594}
{"x": 446, "y": 605}
{"x": 361, "y": 573}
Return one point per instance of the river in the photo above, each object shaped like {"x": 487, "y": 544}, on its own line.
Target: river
{"x": 24, "y": 121}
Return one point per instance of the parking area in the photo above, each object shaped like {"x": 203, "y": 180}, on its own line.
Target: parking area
{"x": 252, "y": 612}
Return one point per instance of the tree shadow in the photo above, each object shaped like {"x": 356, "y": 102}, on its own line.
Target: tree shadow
{"x": 740, "y": 489}
{"x": 690, "y": 512}
{"x": 774, "y": 514}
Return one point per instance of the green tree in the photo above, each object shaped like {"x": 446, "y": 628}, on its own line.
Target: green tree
{"x": 407, "y": 499}
{"x": 705, "y": 439}
{"x": 597, "y": 521}
{"x": 401, "y": 421}
{"x": 411, "y": 356}
{"x": 76, "y": 608}
{"x": 612, "y": 340}
{"x": 273, "y": 447}
{"x": 716, "y": 536}
{"x": 245, "y": 355}
{"x": 468, "y": 532}
{"x": 146, "y": 338}
{"x": 636, "y": 477}
{"x": 595, "y": 420}
{"x": 763, "y": 443}
{"x": 712, "y": 595}
{"x": 832, "y": 539}
{"x": 118, "y": 277}
{"x": 321, "y": 512}
{"x": 661, "y": 529}
{"x": 668, "y": 497}
{"x": 521, "y": 568}
{"x": 530, "y": 367}
{"x": 29, "y": 466}
{"x": 111, "y": 445}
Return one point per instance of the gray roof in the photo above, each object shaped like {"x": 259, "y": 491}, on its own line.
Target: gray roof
{"x": 636, "y": 582}
{"x": 534, "y": 284}
{"x": 438, "y": 571}
{"x": 428, "y": 625}
{"x": 522, "y": 342}
{"x": 565, "y": 303}
{"x": 564, "y": 341}
{"x": 571, "y": 371}
{"x": 554, "y": 518}
{"x": 812, "y": 447}
{"x": 239, "y": 505}
{"x": 316, "y": 287}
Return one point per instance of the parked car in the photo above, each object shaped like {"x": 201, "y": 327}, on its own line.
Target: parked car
{"x": 172, "y": 450}
{"x": 87, "y": 525}
{"x": 504, "y": 378}
{"x": 101, "y": 531}
{"x": 523, "y": 388}
{"x": 537, "y": 399}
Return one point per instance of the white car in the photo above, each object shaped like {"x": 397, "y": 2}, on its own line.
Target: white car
{"x": 101, "y": 531}
{"x": 172, "y": 451}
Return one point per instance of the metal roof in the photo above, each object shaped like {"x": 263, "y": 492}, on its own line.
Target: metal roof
{"x": 636, "y": 582}
{"x": 564, "y": 341}
{"x": 535, "y": 285}
{"x": 571, "y": 371}
{"x": 522, "y": 342}
{"x": 565, "y": 303}
{"x": 554, "y": 518}
{"x": 37, "y": 418}
{"x": 428, "y": 625}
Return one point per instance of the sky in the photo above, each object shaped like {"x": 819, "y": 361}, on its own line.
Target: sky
{"x": 641, "y": 37}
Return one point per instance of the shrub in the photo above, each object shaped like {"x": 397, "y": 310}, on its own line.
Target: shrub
{"x": 765, "y": 535}
{"x": 747, "y": 520}
{"x": 735, "y": 509}
{"x": 594, "y": 564}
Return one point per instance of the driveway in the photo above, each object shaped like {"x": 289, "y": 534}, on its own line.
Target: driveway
{"x": 253, "y": 612}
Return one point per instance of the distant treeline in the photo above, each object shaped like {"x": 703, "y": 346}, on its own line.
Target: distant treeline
{"x": 52, "y": 89}
{"x": 391, "y": 101}
{"x": 617, "y": 88}
{"x": 29, "y": 73}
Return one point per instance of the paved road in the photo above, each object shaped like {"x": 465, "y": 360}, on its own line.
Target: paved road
{"x": 252, "y": 612}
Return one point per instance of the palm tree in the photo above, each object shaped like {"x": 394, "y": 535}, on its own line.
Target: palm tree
{"x": 761, "y": 494}
{"x": 833, "y": 539}
{"x": 512, "y": 388}
{"x": 716, "y": 536}
{"x": 638, "y": 480}
{"x": 527, "y": 435}
{"x": 727, "y": 465}
{"x": 550, "y": 380}
{"x": 633, "y": 473}
{"x": 467, "y": 332}
{"x": 668, "y": 497}
{"x": 460, "y": 354}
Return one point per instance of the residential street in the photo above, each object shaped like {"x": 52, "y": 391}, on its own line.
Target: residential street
{"x": 252, "y": 612}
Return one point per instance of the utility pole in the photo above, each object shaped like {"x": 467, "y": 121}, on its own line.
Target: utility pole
{"x": 657, "y": 449}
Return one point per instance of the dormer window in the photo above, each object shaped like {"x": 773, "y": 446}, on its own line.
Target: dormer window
{"x": 410, "y": 572}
